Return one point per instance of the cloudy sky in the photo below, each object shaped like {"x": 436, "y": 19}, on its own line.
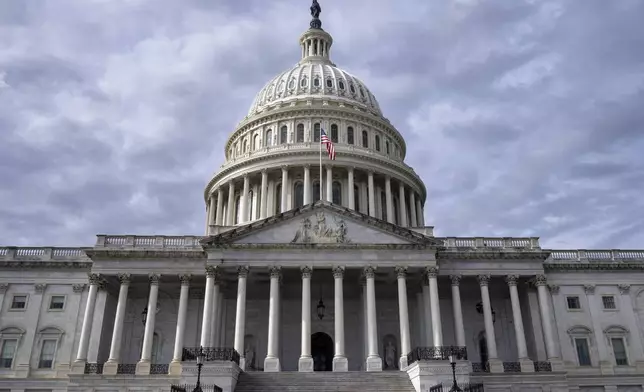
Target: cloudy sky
{"x": 523, "y": 117}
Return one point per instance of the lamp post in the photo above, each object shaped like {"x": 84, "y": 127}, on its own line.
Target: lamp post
{"x": 200, "y": 358}
{"x": 455, "y": 388}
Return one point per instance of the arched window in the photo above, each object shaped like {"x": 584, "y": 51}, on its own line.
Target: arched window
{"x": 299, "y": 194}
{"x": 365, "y": 139}
{"x": 316, "y": 191}
{"x": 303, "y": 82}
{"x": 337, "y": 193}
{"x": 377, "y": 143}
{"x": 269, "y": 138}
{"x": 283, "y": 134}
{"x": 316, "y": 132}
{"x": 256, "y": 145}
{"x": 383, "y": 202}
{"x": 334, "y": 133}
{"x": 356, "y": 197}
{"x": 245, "y": 146}
{"x": 316, "y": 82}
{"x": 350, "y": 138}
{"x": 300, "y": 133}
{"x": 278, "y": 199}
{"x": 387, "y": 146}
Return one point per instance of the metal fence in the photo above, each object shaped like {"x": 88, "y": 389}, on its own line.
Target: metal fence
{"x": 193, "y": 388}
{"x": 440, "y": 353}
{"x": 464, "y": 388}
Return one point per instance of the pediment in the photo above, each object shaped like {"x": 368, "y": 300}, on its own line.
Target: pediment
{"x": 321, "y": 223}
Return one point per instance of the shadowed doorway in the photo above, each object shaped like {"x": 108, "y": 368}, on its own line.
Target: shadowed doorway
{"x": 322, "y": 352}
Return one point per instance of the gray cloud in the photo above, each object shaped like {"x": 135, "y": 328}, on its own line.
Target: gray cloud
{"x": 113, "y": 115}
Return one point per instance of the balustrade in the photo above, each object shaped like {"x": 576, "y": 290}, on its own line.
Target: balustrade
{"x": 211, "y": 354}
{"x": 437, "y": 353}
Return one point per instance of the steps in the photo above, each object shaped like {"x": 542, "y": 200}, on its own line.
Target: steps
{"x": 324, "y": 382}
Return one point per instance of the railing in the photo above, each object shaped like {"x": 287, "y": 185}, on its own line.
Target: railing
{"x": 492, "y": 242}
{"x": 159, "y": 368}
{"x": 148, "y": 241}
{"x": 211, "y": 354}
{"x": 191, "y": 388}
{"x": 439, "y": 353}
{"x": 511, "y": 367}
{"x": 480, "y": 367}
{"x": 126, "y": 368}
{"x": 93, "y": 368}
{"x": 464, "y": 387}
{"x": 42, "y": 253}
{"x": 542, "y": 366}
{"x": 596, "y": 255}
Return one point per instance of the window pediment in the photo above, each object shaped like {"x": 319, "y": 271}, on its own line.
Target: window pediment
{"x": 616, "y": 330}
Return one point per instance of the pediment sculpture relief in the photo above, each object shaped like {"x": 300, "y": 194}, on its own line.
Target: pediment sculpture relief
{"x": 321, "y": 232}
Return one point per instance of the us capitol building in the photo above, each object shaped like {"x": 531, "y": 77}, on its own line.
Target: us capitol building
{"x": 285, "y": 287}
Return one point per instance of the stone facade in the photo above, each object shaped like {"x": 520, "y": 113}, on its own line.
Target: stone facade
{"x": 310, "y": 265}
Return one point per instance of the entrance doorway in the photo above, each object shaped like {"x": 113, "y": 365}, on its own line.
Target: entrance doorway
{"x": 322, "y": 352}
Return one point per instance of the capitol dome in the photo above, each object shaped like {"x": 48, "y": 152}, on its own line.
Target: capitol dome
{"x": 274, "y": 160}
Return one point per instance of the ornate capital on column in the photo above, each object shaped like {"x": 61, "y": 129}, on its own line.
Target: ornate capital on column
{"x": 540, "y": 280}
{"x": 554, "y": 289}
{"x": 94, "y": 278}
{"x": 338, "y": 272}
{"x": 456, "y": 279}
{"x": 102, "y": 285}
{"x": 275, "y": 271}
{"x": 4, "y": 287}
{"x": 484, "y": 280}
{"x": 369, "y": 272}
{"x": 431, "y": 272}
{"x": 624, "y": 288}
{"x": 306, "y": 271}
{"x": 264, "y": 171}
{"x": 124, "y": 278}
{"x": 211, "y": 271}
{"x": 512, "y": 280}
{"x": 350, "y": 168}
{"x": 284, "y": 168}
{"x": 154, "y": 278}
{"x": 78, "y": 288}
{"x": 40, "y": 287}
{"x": 242, "y": 272}
{"x": 401, "y": 272}
{"x": 185, "y": 279}
{"x": 589, "y": 288}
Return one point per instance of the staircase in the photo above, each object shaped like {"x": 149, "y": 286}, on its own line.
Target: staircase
{"x": 324, "y": 382}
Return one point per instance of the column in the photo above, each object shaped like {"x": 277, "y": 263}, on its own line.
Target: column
{"x": 219, "y": 218}
{"x": 240, "y": 315}
{"x": 111, "y": 365}
{"x": 403, "y": 314}
{"x": 329, "y": 183}
{"x": 457, "y": 310}
{"x": 175, "y": 365}
{"x": 412, "y": 209}
{"x": 272, "y": 361}
{"x": 390, "y": 204}
{"x": 143, "y": 366}
{"x": 284, "y": 201}
{"x": 495, "y": 365}
{"x": 263, "y": 194}
{"x": 517, "y": 318}
{"x": 307, "y": 184}
{"x": 427, "y": 314}
{"x": 372, "y": 198}
{"x": 211, "y": 208}
{"x": 437, "y": 329}
{"x": 351, "y": 191}
{"x": 627, "y": 306}
{"x": 206, "y": 318}
{"x": 403, "y": 205}
{"x": 305, "y": 364}
{"x": 86, "y": 329}
{"x": 230, "y": 208}
{"x": 374, "y": 362}
{"x": 365, "y": 327}
{"x": 552, "y": 349}
{"x": 340, "y": 362}
{"x": 243, "y": 202}
{"x": 419, "y": 212}
{"x": 214, "y": 319}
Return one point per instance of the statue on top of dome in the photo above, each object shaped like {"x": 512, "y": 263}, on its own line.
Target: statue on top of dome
{"x": 316, "y": 23}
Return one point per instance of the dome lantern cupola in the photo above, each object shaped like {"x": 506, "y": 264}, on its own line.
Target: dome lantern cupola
{"x": 315, "y": 42}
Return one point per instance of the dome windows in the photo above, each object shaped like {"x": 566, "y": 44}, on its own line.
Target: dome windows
{"x": 387, "y": 146}
{"x": 304, "y": 82}
{"x": 316, "y": 82}
{"x": 350, "y": 136}
{"x": 362, "y": 93}
{"x": 284, "y": 135}
{"x": 341, "y": 85}
{"x": 352, "y": 88}
{"x": 316, "y": 132}
{"x": 300, "y": 133}
{"x": 291, "y": 84}
{"x": 334, "y": 133}
{"x": 329, "y": 83}
{"x": 365, "y": 139}
{"x": 269, "y": 138}
{"x": 256, "y": 145}
{"x": 377, "y": 143}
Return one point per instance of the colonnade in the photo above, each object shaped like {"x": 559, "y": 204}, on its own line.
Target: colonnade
{"x": 373, "y": 361}
{"x": 367, "y": 192}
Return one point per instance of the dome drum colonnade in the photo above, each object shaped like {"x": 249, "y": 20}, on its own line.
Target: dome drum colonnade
{"x": 272, "y": 159}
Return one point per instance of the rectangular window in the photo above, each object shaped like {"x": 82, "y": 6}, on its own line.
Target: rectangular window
{"x": 19, "y": 302}
{"x": 609, "y": 302}
{"x": 8, "y": 352}
{"x": 583, "y": 351}
{"x": 350, "y": 139}
{"x": 57, "y": 302}
{"x": 47, "y": 354}
{"x": 619, "y": 350}
{"x": 573, "y": 303}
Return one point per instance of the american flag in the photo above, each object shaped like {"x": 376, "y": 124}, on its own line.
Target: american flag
{"x": 330, "y": 149}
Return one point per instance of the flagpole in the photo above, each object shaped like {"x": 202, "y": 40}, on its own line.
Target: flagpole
{"x": 320, "y": 143}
